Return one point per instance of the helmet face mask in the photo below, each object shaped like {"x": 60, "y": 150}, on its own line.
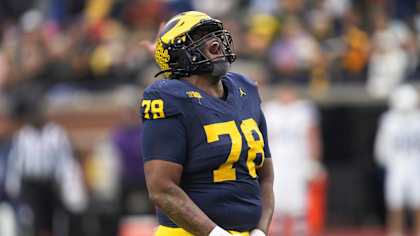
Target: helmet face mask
{"x": 187, "y": 53}
{"x": 224, "y": 40}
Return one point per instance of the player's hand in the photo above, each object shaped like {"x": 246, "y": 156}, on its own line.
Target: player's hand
{"x": 257, "y": 232}
{"x": 149, "y": 45}
{"x": 217, "y": 231}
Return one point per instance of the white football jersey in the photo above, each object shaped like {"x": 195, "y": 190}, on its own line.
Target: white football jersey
{"x": 397, "y": 148}
{"x": 288, "y": 130}
{"x": 398, "y": 139}
{"x": 288, "y": 126}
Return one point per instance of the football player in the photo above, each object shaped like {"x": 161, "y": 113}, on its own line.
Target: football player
{"x": 207, "y": 161}
{"x": 295, "y": 139}
{"x": 397, "y": 149}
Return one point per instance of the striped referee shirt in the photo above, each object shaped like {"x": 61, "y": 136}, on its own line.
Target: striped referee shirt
{"x": 38, "y": 154}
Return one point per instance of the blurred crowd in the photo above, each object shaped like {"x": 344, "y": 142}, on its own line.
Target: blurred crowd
{"x": 88, "y": 44}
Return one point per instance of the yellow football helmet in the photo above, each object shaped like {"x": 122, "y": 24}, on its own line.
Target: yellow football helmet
{"x": 178, "y": 47}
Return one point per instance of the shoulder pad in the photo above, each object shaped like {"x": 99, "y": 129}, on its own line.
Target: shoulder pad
{"x": 242, "y": 80}
{"x": 161, "y": 100}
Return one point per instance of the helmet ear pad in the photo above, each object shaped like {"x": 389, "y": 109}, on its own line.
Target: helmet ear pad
{"x": 183, "y": 61}
{"x": 202, "y": 68}
{"x": 180, "y": 60}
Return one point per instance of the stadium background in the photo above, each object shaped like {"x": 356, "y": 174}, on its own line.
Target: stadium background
{"x": 86, "y": 56}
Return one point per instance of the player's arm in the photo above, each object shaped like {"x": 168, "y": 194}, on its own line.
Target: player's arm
{"x": 315, "y": 145}
{"x": 163, "y": 183}
{"x": 316, "y": 171}
{"x": 266, "y": 178}
{"x": 164, "y": 151}
{"x": 382, "y": 142}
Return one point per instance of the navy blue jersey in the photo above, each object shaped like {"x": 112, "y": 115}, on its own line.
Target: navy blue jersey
{"x": 219, "y": 142}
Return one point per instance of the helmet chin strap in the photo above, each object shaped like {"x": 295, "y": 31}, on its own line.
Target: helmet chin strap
{"x": 220, "y": 68}
{"x": 216, "y": 68}
{"x": 162, "y": 71}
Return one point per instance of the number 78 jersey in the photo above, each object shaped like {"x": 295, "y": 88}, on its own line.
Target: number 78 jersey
{"x": 220, "y": 143}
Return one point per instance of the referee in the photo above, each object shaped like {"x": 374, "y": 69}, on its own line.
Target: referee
{"x": 42, "y": 173}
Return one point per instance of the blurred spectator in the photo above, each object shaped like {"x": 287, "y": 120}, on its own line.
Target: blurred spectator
{"x": 42, "y": 171}
{"x": 94, "y": 44}
{"x": 356, "y": 47}
{"x": 336, "y": 8}
{"x": 397, "y": 149}
{"x": 126, "y": 138}
{"x": 292, "y": 8}
{"x": 403, "y": 10}
{"x": 392, "y": 45}
{"x": 294, "y": 53}
{"x": 215, "y": 8}
{"x": 7, "y": 217}
{"x": 261, "y": 31}
{"x": 104, "y": 174}
{"x": 268, "y": 7}
{"x": 146, "y": 15}
{"x": 115, "y": 172}
{"x": 296, "y": 148}
{"x": 97, "y": 11}
{"x": 15, "y": 8}
{"x": 320, "y": 21}
{"x": 5, "y": 144}
{"x": 4, "y": 72}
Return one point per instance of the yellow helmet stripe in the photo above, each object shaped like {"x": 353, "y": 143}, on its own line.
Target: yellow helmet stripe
{"x": 185, "y": 22}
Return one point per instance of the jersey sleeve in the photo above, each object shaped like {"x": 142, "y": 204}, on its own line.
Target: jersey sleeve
{"x": 164, "y": 135}
{"x": 164, "y": 139}
{"x": 263, "y": 128}
{"x": 158, "y": 105}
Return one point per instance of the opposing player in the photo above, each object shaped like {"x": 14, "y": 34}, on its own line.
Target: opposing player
{"x": 207, "y": 162}
{"x": 397, "y": 149}
{"x": 295, "y": 138}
